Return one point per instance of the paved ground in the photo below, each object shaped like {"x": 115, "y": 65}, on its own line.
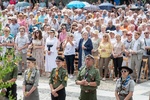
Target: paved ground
{"x": 105, "y": 90}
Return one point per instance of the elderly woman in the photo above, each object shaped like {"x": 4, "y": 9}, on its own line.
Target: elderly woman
{"x": 95, "y": 42}
{"x": 117, "y": 53}
{"x": 124, "y": 85}
{"x": 31, "y": 80}
{"x": 7, "y": 41}
{"x": 104, "y": 50}
{"x": 85, "y": 47}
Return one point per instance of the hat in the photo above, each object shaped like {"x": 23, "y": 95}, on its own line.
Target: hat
{"x": 35, "y": 29}
{"x": 52, "y": 30}
{"x": 31, "y": 59}
{"x": 126, "y": 67}
{"x": 60, "y": 58}
{"x": 90, "y": 56}
{"x": 31, "y": 13}
{"x": 96, "y": 32}
{"x": 129, "y": 34}
{"x": 112, "y": 31}
{"x": 65, "y": 15}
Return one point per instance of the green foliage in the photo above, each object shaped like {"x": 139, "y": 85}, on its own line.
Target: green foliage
{"x": 7, "y": 63}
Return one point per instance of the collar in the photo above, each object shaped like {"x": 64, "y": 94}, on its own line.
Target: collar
{"x": 89, "y": 67}
{"x": 129, "y": 41}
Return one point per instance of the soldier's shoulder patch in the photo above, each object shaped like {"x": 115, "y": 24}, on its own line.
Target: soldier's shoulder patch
{"x": 66, "y": 78}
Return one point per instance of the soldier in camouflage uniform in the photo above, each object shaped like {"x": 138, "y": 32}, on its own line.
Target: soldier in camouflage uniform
{"x": 88, "y": 78}
{"x": 58, "y": 80}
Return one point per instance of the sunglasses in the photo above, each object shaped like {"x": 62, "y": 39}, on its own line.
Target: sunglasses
{"x": 124, "y": 71}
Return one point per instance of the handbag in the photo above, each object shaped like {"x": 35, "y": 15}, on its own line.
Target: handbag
{"x": 111, "y": 56}
{"x": 148, "y": 50}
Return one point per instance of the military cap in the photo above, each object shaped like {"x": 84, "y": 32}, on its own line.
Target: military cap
{"x": 31, "y": 59}
{"x": 60, "y": 58}
{"x": 90, "y": 56}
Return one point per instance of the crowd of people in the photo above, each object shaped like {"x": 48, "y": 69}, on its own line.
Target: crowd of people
{"x": 106, "y": 37}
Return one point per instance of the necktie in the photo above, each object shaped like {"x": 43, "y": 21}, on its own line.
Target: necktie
{"x": 29, "y": 74}
{"x": 86, "y": 74}
{"x": 56, "y": 76}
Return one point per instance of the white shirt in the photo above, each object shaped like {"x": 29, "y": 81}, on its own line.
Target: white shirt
{"x": 113, "y": 41}
{"x": 118, "y": 32}
{"x": 69, "y": 49}
{"x": 135, "y": 45}
{"x": 77, "y": 37}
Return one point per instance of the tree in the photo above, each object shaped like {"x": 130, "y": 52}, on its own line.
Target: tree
{"x": 6, "y": 66}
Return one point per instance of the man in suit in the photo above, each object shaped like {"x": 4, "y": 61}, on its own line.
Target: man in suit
{"x": 136, "y": 50}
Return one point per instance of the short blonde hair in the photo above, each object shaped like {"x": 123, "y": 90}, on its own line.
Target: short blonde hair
{"x": 6, "y": 29}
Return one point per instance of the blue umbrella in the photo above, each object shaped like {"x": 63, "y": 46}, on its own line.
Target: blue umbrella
{"x": 22, "y": 4}
{"x": 75, "y": 4}
{"x": 106, "y": 6}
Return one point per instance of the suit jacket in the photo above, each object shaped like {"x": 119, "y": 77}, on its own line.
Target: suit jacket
{"x": 140, "y": 48}
{"x": 89, "y": 47}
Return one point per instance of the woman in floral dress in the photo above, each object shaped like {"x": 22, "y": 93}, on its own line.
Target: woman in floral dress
{"x": 38, "y": 51}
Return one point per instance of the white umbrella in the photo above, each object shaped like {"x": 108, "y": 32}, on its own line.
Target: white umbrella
{"x": 86, "y": 3}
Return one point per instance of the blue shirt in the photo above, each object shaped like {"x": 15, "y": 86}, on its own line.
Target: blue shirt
{"x": 117, "y": 2}
{"x": 14, "y": 29}
{"x": 41, "y": 18}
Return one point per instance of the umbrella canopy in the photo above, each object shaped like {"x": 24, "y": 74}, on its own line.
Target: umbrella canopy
{"x": 22, "y": 4}
{"x": 92, "y": 8}
{"x": 75, "y": 4}
{"x": 86, "y": 3}
{"x": 106, "y": 6}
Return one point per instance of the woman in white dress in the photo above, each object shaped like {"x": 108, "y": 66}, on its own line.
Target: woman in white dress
{"x": 51, "y": 51}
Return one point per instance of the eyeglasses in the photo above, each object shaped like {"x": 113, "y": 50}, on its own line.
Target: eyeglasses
{"x": 124, "y": 71}
{"x": 57, "y": 61}
{"x": 146, "y": 33}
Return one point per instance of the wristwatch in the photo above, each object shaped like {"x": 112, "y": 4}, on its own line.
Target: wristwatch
{"x": 88, "y": 83}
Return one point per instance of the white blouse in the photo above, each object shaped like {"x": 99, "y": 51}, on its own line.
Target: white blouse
{"x": 69, "y": 49}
